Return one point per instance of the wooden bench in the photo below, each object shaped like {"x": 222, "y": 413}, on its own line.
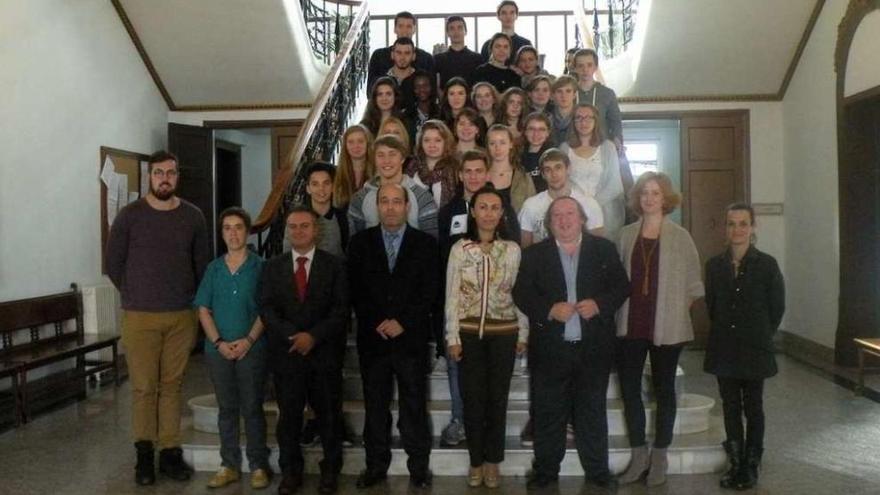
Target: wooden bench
{"x": 63, "y": 339}
{"x": 865, "y": 346}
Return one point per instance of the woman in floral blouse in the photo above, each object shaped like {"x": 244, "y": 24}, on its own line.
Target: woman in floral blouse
{"x": 484, "y": 330}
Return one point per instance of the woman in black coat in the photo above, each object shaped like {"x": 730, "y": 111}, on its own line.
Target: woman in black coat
{"x": 745, "y": 296}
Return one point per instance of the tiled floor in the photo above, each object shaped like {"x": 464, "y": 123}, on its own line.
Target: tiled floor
{"x": 820, "y": 440}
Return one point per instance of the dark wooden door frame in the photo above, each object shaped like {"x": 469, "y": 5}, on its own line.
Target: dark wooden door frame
{"x": 851, "y": 315}
{"x": 250, "y": 124}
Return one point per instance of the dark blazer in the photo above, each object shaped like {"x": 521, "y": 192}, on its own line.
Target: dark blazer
{"x": 407, "y": 294}
{"x": 745, "y": 313}
{"x": 325, "y": 313}
{"x": 541, "y": 283}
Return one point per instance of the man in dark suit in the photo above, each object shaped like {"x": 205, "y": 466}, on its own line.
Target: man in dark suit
{"x": 570, "y": 285}
{"x": 394, "y": 276}
{"x": 304, "y": 303}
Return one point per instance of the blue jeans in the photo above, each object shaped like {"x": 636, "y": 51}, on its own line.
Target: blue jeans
{"x": 239, "y": 387}
{"x": 455, "y": 390}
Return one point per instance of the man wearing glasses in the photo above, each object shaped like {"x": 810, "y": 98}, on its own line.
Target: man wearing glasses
{"x": 156, "y": 254}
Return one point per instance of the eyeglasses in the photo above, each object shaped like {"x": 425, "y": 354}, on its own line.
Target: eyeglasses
{"x": 159, "y": 173}
{"x": 584, "y": 119}
{"x": 537, "y": 129}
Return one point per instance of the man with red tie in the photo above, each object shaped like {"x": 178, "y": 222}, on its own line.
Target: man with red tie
{"x": 304, "y": 304}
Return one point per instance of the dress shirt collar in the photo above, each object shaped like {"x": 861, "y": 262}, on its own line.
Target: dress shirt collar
{"x": 309, "y": 254}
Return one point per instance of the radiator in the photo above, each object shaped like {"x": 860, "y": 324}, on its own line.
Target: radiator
{"x": 102, "y": 314}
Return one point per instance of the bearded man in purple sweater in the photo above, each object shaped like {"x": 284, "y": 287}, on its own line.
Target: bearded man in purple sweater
{"x": 156, "y": 254}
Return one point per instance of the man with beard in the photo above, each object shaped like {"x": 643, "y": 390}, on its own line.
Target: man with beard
{"x": 156, "y": 254}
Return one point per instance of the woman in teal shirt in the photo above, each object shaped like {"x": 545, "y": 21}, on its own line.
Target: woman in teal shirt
{"x": 236, "y": 350}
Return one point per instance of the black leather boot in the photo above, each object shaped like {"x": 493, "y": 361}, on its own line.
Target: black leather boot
{"x": 751, "y": 465}
{"x": 145, "y": 469}
{"x": 734, "y": 456}
{"x": 172, "y": 465}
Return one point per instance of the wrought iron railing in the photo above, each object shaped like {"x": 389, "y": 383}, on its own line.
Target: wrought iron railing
{"x": 327, "y": 23}
{"x": 613, "y": 27}
{"x": 613, "y": 38}
{"x": 320, "y": 133}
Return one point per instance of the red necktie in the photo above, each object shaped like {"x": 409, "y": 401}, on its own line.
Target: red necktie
{"x": 300, "y": 277}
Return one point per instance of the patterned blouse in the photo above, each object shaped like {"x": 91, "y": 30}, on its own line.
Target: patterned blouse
{"x": 478, "y": 291}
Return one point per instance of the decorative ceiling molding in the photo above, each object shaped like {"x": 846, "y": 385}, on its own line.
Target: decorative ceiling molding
{"x": 802, "y": 45}
{"x": 254, "y": 106}
{"x": 123, "y": 16}
{"x": 148, "y": 63}
{"x": 699, "y": 98}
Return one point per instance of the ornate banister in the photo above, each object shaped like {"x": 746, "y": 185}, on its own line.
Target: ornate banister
{"x": 319, "y": 134}
{"x": 327, "y": 22}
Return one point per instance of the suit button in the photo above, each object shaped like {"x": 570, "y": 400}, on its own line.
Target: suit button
{"x": 732, "y": 326}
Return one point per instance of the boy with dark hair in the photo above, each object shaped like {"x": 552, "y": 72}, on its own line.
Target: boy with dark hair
{"x": 380, "y": 60}
{"x": 458, "y": 60}
{"x": 507, "y": 12}
{"x": 332, "y": 222}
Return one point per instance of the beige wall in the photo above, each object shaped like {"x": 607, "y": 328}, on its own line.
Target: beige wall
{"x": 72, "y": 82}
{"x": 863, "y": 69}
{"x": 810, "y": 137}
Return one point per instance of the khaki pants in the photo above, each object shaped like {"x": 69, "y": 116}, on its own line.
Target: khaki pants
{"x": 157, "y": 347}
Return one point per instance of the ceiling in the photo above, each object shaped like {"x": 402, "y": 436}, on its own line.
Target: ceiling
{"x": 230, "y": 54}
{"x": 226, "y": 53}
{"x": 719, "y": 47}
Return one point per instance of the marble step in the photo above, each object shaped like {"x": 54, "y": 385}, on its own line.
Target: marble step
{"x": 438, "y": 385}
{"x": 692, "y": 417}
{"x": 693, "y": 453}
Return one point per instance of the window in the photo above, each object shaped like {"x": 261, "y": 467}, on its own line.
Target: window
{"x": 642, "y": 157}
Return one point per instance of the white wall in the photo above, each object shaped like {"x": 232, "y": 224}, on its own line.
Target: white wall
{"x": 256, "y": 166}
{"x": 812, "y": 206}
{"x": 862, "y": 69}
{"x": 766, "y": 157}
{"x": 72, "y": 81}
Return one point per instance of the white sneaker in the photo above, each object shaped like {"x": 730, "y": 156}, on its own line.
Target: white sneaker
{"x": 440, "y": 365}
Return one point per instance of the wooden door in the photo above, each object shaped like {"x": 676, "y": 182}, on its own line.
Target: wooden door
{"x": 859, "y": 192}
{"x": 714, "y": 174}
{"x": 283, "y": 141}
{"x": 194, "y": 147}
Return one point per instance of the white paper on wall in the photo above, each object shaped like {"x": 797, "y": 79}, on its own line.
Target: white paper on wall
{"x": 111, "y": 179}
{"x": 122, "y": 194}
{"x": 145, "y": 179}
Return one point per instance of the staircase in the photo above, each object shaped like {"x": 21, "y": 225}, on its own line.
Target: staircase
{"x": 695, "y": 449}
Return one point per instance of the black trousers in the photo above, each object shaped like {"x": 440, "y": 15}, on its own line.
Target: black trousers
{"x": 631, "y": 355}
{"x": 318, "y": 380}
{"x": 484, "y": 376}
{"x": 740, "y": 397}
{"x": 378, "y": 373}
{"x": 571, "y": 386}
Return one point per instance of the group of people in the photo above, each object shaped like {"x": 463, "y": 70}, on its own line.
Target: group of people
{"x": 501, "y": 234}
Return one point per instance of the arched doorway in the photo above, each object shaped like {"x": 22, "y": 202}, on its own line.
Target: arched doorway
{"x": 858, "y": 145}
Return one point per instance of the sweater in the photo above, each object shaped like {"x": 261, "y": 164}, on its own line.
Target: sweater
{"x": 502, "y": 79}
{"x": 608, "y": 191}
{"x": 456, "y": 63}
{"x": 679, "y": 283}
{"x": 363, "y": 211}
{"x": 156, "y": 258}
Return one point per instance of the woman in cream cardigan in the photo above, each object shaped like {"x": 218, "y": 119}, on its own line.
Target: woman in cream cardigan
{"x": 665, "y": 279}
